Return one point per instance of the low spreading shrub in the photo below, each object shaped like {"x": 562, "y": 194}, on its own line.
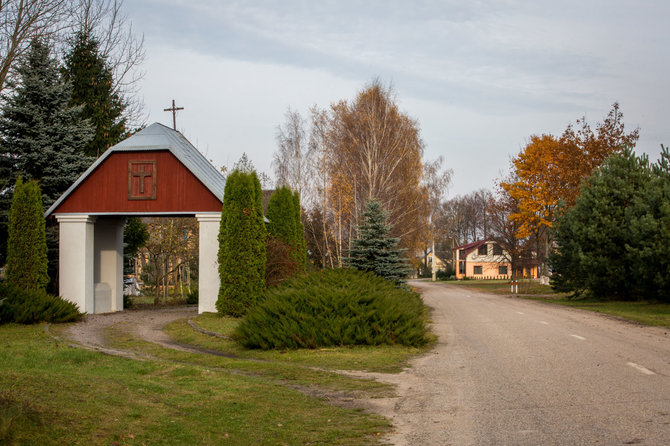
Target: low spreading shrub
{"x": 30, "y": 307}
{"x": 334, "y": 308}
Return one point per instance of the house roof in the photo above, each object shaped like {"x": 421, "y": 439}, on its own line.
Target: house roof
{"x": 469, "y": 247}
{"x": 157, "y": 137}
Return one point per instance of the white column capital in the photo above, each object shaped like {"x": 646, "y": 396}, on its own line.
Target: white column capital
{"x": 75, "y": 218}
{"x": 208, "y": 216}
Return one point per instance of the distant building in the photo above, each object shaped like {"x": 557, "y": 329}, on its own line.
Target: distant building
{"x": 485, "y": 259}
{"x": 435, "y": 260}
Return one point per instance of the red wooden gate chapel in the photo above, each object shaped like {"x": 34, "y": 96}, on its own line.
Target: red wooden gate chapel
{"x": 155, "y": 172}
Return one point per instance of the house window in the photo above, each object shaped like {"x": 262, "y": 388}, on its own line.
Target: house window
{"x": 477, "y": 270}
{"x": 502, "y": 270}
{"x": 461, "y": 254}
{"x": 482, "y": 250}
{"x": 461, "y": 267}
{"x": 497, "y": 250}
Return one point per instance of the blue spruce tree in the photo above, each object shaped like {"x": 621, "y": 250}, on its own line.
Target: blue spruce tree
{"x": 41, "y": 137}
{"x": 374, "y": 250}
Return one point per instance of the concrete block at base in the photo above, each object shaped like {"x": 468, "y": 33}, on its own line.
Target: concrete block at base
{"x": 103, "y": 298}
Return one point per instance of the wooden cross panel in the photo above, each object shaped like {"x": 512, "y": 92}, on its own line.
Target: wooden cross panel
{"x": 107, "y": 188}
{"x": 141, "y": 180}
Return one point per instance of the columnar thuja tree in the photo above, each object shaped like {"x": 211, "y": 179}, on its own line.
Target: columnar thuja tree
{"x": 27, "y": 246}
{"x": 286, "y": 240}
{"x": 301, "y": 245}
{"x": 282, "y": 258}
{"x": 374, "y": 250}
{"x": 242, "y": 249}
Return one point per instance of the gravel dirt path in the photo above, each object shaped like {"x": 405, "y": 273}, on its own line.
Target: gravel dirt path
{"x": 145, "y": 324}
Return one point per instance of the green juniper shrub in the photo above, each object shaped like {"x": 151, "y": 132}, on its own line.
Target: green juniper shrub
{"x": 33, "y": 306}
{"x": 335, "y": 308}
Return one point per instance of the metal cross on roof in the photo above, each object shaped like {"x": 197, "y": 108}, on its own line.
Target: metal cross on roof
{"x": 174, "y": 109}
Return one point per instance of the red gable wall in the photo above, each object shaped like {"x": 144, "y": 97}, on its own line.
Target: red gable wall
{"x": 105, "y": 190}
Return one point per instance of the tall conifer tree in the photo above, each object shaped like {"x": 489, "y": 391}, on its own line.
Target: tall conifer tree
{"x": 92, "y": 87}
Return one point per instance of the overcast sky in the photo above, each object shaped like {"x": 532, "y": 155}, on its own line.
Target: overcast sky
{"x": 480, "y": 77}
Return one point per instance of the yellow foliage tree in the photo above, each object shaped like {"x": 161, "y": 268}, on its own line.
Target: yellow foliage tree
{"x": 378, "y": 151}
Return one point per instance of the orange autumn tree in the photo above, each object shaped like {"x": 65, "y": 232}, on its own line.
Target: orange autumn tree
{"x": 549, "y": 171}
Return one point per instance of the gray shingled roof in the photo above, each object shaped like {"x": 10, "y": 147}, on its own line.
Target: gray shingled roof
{"x": 159, "y": 137}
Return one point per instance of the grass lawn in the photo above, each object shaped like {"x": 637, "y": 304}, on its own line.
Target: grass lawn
{"x": 53, "y": 394}
{"x": 503, "y": 286}
{"x": 643, "y": 312}
{"x": 388, "y": 359}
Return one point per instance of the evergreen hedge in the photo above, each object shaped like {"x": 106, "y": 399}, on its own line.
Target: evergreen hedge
{"x": 33, "y": 306}
{"x": 335, "y": 308}
{"x": 26, "y": 246}
{"x": 242, "y": 250}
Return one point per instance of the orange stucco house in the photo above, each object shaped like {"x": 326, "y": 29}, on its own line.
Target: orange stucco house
{"x": 485, "y": 259}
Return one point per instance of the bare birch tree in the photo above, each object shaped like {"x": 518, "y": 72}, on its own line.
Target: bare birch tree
{"x": 436, "y": 182}
{"x": 21, "y": 21}
{"x": 291, "y": 161}
{"x": 378, "y": 150}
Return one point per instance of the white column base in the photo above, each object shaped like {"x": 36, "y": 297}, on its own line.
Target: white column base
{"x": 108, "y": 265}
{"x": 208, "y": 269}
{"x": 75, "y": 260}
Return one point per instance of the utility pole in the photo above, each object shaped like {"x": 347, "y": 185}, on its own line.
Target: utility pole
{"x": 174, "y": 109}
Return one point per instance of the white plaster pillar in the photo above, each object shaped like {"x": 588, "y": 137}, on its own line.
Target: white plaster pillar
{"x": 75, "y": 259}
{"x": 208, "y": 267}
{"x": 108, "y": 264}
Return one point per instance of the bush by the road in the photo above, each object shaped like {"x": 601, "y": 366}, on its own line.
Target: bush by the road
{"x": 335, "y": 307}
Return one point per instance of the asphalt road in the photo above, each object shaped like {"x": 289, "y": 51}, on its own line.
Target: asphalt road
{"x": 508, "y": 371}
